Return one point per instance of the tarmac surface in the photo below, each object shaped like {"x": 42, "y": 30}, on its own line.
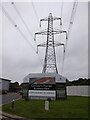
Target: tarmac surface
{"x": 5, "y": 116}
{"x": 8, "y": 98}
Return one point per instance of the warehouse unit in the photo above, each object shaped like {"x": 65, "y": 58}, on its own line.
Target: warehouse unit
{"x": 44, "y": 86}
{"x": 4, "y": 85}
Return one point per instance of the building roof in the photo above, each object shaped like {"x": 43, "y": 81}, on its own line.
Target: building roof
{"x": 5, "y": 79}
{"x": 44, "y": 77}
{"x": 44, "y": 74}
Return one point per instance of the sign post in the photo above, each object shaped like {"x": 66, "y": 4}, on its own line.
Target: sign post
{"x": 13, "y": 104}
{"x": 46, "y": 105}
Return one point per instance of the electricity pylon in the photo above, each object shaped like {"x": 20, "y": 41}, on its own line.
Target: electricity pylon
{"x": 50, "y": 57}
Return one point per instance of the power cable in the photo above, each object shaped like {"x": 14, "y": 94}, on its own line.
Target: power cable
{"x": 74, "y": 8}
{"x": 62, "y": 9}
{"x": 16, "y": 9}
{"x": 35, "y": 12}
{"x": 7, "y": 15}
{"x": 23, "y": 23}
{"x": 15, "y": 25}
{"x": 37, "y": 18}
{"x": 69, "y": 29}
{"x": 72, "y": 15}
{"x": 60, "y": 39}
{"x": 63, "y": 60}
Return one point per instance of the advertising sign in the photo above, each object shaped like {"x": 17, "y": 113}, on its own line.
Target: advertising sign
{"x": 42, "y": 93}
{"x": 42, "y": 87}
{"x": 42, "y": 80}
{"x": 44, "y": 83}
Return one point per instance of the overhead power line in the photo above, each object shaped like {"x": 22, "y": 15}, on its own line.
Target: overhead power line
{"x": 74, "y": 8}
{"x": 62, "y": 9}
{"x": 70, "y": 26}
{"x": 60, "y": 37}
{"x": 63, "y": 60}
{"x": 72, "y": 16}
{"x": 7, "y": 15}
{"x": 16, "y": 26}
{"x": 37, "y": 18}
{"x": 35, "y": 12}
{"x": 16, "y": 9}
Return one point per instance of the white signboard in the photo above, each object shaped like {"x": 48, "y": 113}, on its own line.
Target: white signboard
{"x": 42, "y": 93}
{"x": 46, "y": 105}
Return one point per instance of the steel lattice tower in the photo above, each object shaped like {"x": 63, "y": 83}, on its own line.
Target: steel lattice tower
{"x": 50, "y": 57}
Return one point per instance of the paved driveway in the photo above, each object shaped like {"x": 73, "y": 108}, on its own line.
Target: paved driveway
{"x": 7, "y": 98}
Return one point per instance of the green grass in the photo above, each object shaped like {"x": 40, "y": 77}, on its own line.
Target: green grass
{"x": 73, "y": 107}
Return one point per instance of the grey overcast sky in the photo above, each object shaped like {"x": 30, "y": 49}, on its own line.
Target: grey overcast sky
{"x": 18, "y": 57}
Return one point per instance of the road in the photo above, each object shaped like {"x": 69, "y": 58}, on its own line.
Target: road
{"x": 7, "y": 98}
{"x": 6, "y": 116}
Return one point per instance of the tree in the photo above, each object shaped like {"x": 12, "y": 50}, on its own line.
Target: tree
{"x": 14, "y": 87}
{"x": 80, "y": 81}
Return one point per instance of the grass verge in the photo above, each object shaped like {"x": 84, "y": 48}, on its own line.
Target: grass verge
{"x": 73, "y": 107}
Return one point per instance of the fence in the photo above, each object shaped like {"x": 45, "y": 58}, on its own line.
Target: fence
{"x": 78, "y": 90}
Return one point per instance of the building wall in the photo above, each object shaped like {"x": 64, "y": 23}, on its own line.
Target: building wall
{"x": 4, "y": 84}
{"x": 78, "y": 90}
{"x": 0, "y": 84}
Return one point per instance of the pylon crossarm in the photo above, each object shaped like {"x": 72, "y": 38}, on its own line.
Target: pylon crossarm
{"x": 40, "y": 33}
{"x": 66, "y": 34}
{"x": 64, "y": 49}
{"x": 55, "y": 44}
{"x": 63, "y": 31}
{"x": 58, "y": 44}
{"x": 60, "y": 31}
{"x": 58, "y": 18}
{"x": 45, "y": 19}
{"x": 41, "y": 45}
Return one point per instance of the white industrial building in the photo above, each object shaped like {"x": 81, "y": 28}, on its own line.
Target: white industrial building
{"x": 44, "y": 85}
{"x": 4, "y": 84}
